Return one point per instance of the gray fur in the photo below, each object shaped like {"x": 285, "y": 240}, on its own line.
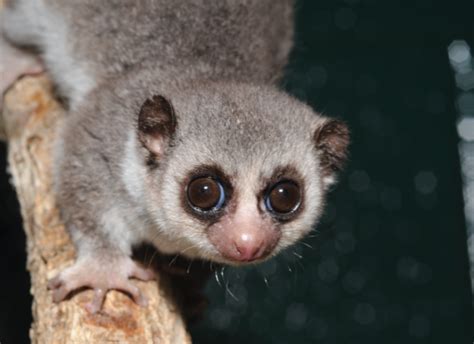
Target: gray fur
{"x": 218, "y": 63}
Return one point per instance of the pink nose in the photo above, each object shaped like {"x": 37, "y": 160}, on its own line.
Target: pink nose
{"x": 248, "y": 248}
{"x": 245, "y": 240}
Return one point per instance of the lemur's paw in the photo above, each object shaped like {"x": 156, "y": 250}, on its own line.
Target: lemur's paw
{"x": 101, "y": 276}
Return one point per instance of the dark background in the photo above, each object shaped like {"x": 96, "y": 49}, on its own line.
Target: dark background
{"x": 388, "y": 264}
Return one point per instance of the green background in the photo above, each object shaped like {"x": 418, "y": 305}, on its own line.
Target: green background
{"x": 388, "y": 264}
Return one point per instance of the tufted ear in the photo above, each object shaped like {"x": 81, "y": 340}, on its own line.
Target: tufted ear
{"x": 331, "y": 138}
{"x": 156, "y": 124}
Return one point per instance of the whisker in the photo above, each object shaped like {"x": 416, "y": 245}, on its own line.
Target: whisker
{"x": 315, "y": 235}
{"x": 155, "y": 253}
{"x": 151, "y": 259}
{"x": 216, "y": 275}
{"x": 222, "y": 271}
{"x": 173, "y": 260}
{"x": 187, "y": 249}
{"x": 230, "y": 292}
{"x": 189, "y": 266}
{"x": 297, "y": 255}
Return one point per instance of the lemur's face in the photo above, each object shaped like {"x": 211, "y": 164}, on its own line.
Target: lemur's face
{"x": 246, "y": 215}
{"x": 243, "y": 172}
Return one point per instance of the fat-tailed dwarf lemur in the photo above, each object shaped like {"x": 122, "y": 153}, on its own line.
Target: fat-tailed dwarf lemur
{"x": 176, "y": 133}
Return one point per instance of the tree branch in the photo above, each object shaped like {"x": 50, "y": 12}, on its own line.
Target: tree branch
{"x": 30, "y": 118}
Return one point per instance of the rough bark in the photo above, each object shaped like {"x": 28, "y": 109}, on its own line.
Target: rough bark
{"x": 30, "y": 118}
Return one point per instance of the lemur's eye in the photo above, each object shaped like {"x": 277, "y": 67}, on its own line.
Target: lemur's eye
{"x": 205, "y": 194}
{"x": 283, "y": 198}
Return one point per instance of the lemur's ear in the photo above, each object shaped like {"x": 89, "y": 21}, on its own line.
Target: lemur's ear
{"x": 156, "y": 124}
{"x": 331, "y": 138}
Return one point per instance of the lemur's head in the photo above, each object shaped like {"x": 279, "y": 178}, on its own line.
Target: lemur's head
{"x": 236, "y": 173}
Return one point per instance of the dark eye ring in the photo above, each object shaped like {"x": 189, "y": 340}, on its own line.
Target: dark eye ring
{"x": 205, "y": 194}
{"x": 283, "y": 198}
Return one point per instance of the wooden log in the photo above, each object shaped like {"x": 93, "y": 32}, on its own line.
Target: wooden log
{"x": 31, "y": 116}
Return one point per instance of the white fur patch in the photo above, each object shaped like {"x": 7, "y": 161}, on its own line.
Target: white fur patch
{"x": 116, "y": 229}
{"x": 133, "y": 173}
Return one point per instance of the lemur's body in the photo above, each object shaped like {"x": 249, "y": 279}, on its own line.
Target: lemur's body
{"x": 176, "y": 134}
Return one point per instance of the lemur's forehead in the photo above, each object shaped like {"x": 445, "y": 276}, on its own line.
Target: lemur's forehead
{"x": 249, "y": 133}
{"x": 243, "y": 114}
{"x": 243, "y": 140}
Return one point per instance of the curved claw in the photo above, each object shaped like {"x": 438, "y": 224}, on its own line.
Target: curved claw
{"x": 96, "y": 304}
{"x": 60, "y": 294}
{"x": 135, "y": 293}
